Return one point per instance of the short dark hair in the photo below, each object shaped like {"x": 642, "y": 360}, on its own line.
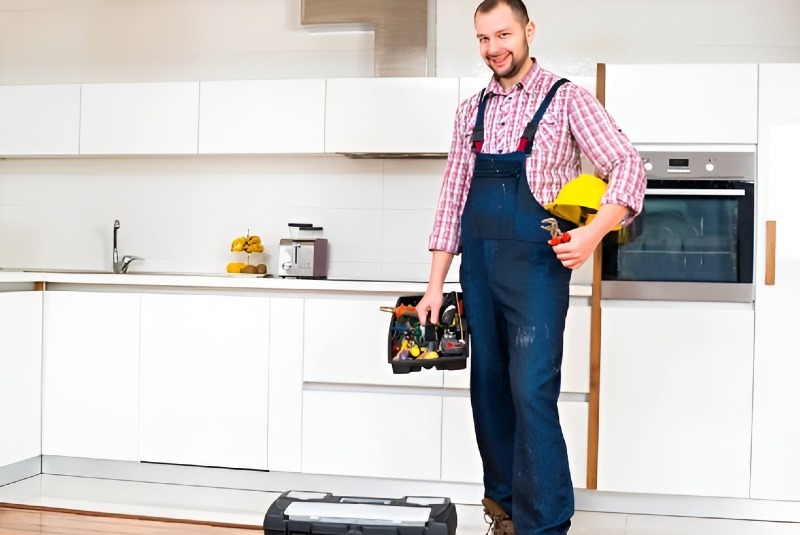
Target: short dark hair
{"x": 517, "y": 7}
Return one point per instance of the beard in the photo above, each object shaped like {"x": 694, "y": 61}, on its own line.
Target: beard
{"x": 516, "y": 63}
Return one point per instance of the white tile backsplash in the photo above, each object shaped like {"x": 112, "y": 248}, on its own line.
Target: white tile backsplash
{"x": 181, "y": 213}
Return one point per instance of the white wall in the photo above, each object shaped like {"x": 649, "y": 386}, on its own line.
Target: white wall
{"x": 73, "y": 41}
{"x": 181, "y": 213}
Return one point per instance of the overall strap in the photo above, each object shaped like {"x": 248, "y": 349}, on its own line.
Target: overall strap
{"x": 477, "y": 132}
{"x": 526, "y": 141}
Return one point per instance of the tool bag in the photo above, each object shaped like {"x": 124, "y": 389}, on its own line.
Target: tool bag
{"x": 319, "y": 513}
{"x": 444, "y": 346}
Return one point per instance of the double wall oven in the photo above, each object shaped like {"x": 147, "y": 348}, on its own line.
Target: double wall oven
{"x": 694, "y": 240}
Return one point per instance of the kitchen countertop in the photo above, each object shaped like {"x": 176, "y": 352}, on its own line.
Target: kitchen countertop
{"x": 221, "y": 281}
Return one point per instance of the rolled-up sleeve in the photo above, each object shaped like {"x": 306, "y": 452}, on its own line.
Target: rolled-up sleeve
{"x": 610, "y": 150}
{"x": 446, "y": 235}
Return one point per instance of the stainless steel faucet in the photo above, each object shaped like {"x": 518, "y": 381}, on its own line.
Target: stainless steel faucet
{"x": 121, "y": 266}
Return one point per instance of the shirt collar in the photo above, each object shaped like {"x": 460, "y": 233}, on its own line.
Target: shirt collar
{"x": 526, "y": 83}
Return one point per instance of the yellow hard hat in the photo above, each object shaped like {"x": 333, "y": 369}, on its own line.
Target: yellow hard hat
{"x": 579, "y": 199}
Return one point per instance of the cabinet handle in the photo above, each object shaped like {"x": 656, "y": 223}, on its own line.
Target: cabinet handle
{"x": 769, "y": 277}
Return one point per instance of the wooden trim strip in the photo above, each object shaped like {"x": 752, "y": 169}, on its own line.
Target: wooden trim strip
{"x": 594, "y": 337}
{"x": 769, "y": 274}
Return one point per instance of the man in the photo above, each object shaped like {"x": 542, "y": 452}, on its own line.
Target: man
{"x": 515, "y": 284}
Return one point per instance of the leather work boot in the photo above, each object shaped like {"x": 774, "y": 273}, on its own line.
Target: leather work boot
{"x": 497, "y": 518}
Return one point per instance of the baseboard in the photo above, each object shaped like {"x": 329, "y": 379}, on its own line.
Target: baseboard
{"x": 20, "y": 470}
{"x": 257, "y": 480}
{"x": 469, "y": 494}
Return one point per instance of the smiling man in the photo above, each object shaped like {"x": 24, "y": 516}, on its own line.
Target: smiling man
{"x": 515, "y": 145}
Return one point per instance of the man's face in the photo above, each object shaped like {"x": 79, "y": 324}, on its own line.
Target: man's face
{"x": 503, "y": 40}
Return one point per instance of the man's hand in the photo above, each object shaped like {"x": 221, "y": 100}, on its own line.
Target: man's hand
{"x": 582, "y": 244}
{"x": 430, "y": 302}
{"x": 584, "y": 240}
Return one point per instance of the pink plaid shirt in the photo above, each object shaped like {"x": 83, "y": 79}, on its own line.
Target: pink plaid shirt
{"x": 575, "y": 122}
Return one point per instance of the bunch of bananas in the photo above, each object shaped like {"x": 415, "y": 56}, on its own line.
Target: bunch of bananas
{"x": 248, "y": 244}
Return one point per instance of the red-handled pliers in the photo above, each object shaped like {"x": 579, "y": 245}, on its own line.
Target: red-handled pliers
{"x": 556, "y": 236}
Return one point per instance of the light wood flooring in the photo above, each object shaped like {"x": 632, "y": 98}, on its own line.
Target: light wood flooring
{"x": 16, "y": 520}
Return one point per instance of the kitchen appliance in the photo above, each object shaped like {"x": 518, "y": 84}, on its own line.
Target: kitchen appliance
{"x": 694, "y": 240}
{"x": 305, "y": 254}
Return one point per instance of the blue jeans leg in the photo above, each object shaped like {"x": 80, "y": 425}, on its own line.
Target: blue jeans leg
{"x": 516, "y": 314}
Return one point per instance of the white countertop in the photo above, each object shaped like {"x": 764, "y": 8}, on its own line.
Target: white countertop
{"x": 193, "y": 280}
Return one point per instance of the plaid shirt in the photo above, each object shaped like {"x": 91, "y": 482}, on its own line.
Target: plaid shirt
{"x": 575, "y": 122}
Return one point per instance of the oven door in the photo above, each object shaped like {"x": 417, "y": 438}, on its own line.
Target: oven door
{"x": 693, "y": 241}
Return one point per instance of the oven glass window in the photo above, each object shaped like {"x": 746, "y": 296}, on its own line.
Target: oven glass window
{"x": 685, "y": 237}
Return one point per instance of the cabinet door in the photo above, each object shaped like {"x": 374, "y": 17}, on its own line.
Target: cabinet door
{"x": 676, "y": 399}
{"x": 390, "y": 114}
{"x": 693, "y": 103}
{"x": 285, "y": 384}
{"x": 461, "y": 461}
{"x": 776, "y": 402}
{"x": 152, "y": 118}
{"x": 346, "y": 341}
{"x": 91, "y": 375}
{"x": 39, "y": 120}
{"x": 262, "y": 116}
{"x": 20, "y": 376}
{"x": 204, "y": 380}
{"x": 372, "y": 434}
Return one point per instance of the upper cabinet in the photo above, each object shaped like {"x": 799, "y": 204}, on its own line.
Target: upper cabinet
{"x": 145, "y": 118}
{"x": 696, "y": 103}
{"x": 39, "y": 120}
{"x": 390, "y": 115}
{"x": 262, "y": 116}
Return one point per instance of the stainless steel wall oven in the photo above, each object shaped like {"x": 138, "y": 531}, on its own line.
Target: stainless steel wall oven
{"x": 694, "y": 238}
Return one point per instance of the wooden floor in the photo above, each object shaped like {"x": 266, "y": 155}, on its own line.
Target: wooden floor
{"x": 30, "y": 520}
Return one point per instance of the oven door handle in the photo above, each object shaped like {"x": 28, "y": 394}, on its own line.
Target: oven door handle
{"x": 697, "y": 192}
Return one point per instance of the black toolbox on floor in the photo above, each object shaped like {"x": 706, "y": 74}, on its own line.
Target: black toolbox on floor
{"x": 320, "y": 513}
{"x": 410, "y": 345}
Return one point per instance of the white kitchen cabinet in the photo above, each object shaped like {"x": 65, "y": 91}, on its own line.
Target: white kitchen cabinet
{"x": 346, "y": 341}
{"x": 204, "y": 380}
{"x": 262, "y": 117}
{"x": 390, "y": 115}
{"x": 676, "y": 399}
{"x": 39, "y": 120}
{"x": 575, "y": 362}
{"x": 285, "y": 384}
{"x": 20, "y": 376}
{"x": 776, "y": 399}
{"x": 142, "y": 118}
{"x": 91, "y": 375}
{"x": 461, "y": 461}
{"x": 372, "y": 434}
{"x": 690, "y": 103}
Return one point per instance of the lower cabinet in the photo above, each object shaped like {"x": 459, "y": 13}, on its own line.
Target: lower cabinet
{"x": 91, "y": 375}
{"x": 346, "y": 341}
{"x": 204, "y": 380}
{"x": 676, "y": 399}
{"x": 461, "y": 461}
{"x": 372, "y": 434}
{"x": 20, "y": 376}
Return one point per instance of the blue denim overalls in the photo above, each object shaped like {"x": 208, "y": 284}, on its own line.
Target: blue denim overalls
{"x": 516, "y": 294}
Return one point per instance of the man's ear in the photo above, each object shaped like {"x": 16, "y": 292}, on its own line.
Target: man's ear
{"x": 530, "y": 31}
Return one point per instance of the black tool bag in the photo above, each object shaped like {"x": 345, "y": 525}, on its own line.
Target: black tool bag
{"x": 319, "y": 513}
{"x": 410, "y": 344}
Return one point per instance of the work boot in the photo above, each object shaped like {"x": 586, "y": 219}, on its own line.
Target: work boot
{"x": 497, "y": 518}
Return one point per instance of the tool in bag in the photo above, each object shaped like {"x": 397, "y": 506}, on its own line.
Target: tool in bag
{"x": 413, "y": 347}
